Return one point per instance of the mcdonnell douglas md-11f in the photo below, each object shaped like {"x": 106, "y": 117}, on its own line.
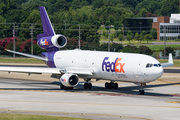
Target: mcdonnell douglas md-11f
{"x": 70, "y": 65}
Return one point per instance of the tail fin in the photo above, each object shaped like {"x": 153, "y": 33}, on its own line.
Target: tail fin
{"x": 46, "y": 23}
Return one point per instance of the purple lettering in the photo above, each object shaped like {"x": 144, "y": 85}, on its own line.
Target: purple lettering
{"x": 108, "y": 66}
{"x": 104, "y": 63}
{"x": 113, "y": 67}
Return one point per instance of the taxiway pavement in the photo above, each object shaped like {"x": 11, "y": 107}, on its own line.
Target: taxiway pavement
{"x": 40, "y": 94}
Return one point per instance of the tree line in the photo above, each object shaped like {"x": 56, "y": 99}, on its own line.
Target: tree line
{"x": 66, "y": 15}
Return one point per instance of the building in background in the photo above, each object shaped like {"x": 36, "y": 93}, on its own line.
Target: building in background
{"x": 168, "y": 28}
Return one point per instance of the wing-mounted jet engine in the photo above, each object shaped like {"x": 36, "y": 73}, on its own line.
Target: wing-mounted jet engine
{"x": 69, "y": 80}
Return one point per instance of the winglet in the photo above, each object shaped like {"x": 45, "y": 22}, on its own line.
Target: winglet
{"x": 169, "y": 63}
{"x": 170, "y": 58}
{"x": 46, "y": 23}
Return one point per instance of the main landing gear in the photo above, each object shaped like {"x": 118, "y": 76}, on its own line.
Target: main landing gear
{"x": 87, "y": 84}
{"x": 111, "y": 85}
{"x": 141, "y": 91}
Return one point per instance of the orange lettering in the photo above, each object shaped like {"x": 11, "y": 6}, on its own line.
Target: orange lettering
{"x": 119, "y": 66}
{"x": 46, "y": 42}
{"x": 122, "y": 65}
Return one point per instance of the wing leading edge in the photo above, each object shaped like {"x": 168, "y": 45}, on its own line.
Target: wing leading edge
{"x": 41, "y": 70}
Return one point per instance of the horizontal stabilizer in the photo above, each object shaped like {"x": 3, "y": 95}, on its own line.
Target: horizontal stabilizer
{"x": 169, "y": 63}
{"x": 28, "y": 55}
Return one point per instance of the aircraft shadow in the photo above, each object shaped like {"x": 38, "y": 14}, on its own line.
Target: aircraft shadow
{"x": 128, "y": 90}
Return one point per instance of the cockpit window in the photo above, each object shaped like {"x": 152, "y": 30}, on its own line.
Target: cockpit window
{"x": 150, "y": 65}
{"x": 156, "y": 65}
{"x": 147, "y": 65}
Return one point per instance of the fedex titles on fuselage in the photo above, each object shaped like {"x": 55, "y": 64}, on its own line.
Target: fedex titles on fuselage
{"x": 115, "y": 66}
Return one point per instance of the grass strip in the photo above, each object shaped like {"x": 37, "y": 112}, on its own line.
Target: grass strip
{"x": 161, "y": 47}
{"x": 5, "y": 116}
{"x": 20, "y": 60}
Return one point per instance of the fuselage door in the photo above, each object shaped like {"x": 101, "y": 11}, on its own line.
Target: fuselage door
{"x": 137, "y": 74}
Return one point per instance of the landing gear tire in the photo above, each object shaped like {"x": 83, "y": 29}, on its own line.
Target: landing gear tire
{"x": 62, "y": 87}
{"x": 116, "y": 85}
{"x": 65, "y": 88}
{"x": 111, "y": 85}
{"x": 141, "y": 92}
{"x": 87, "y": 86}
{"x": 106, "y": 85}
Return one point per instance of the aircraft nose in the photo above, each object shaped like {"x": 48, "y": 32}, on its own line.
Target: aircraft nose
{"x": 159, "y": 72}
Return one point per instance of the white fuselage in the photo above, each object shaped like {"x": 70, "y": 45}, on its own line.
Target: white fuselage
{"x": 127, "y": 67}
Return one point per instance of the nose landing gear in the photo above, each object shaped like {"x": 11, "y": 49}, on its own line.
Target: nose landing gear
{"x": 141, "y": 91}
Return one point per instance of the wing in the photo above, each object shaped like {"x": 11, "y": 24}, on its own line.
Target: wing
{"x": 169, "y": 63}
{"x": 79, "y": 71}
{"x": 30, "y": 70}
{"x": 41, "y": 70}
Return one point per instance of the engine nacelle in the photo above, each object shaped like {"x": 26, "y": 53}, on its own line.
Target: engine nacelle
{"x": 56, "y": 41}
{"x": 69, "y": 80}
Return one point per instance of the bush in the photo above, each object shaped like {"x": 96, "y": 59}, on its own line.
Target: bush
{"x": 169, "y": 50}
{"x": 134, "y": 49}
{"x": 145, "y": 50}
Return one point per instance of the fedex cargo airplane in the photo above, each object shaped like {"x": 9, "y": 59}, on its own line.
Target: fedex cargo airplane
{"x": 70, "y": 65}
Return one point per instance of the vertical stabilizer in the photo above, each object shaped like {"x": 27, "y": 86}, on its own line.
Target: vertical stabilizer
{"x": 46, "y": 23}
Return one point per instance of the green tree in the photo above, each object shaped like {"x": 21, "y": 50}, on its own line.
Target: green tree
{"x": 130, "y": 49}
{"x": 148, "y": 37}
{"x": 76, "y": 4}
{"x": 105, "y": 34}
{"x": 137, "y": 36}
{"x": 145, "y": 50}
{"x": 153, "y": 32}
{"x": 117, "y": 25}
{"x": 120, "y": 37}
{"x": 142, "y": 13}
{"x": 149, "y": 5}
{"x": 112, "y": 38}
{"x": 16, "y": 15}
{"x": 142, "y": 34}
{"x": 169, "y": 50}
{"x": 2, "y": 27}
{"x": 108, "y": 25}
{"x": 6, "y": 5}
{"x": 97, "y": 4}
{"x": 129, "y": 36}
{"x": 33, "y": 18}
{"x": 169, "y": 6}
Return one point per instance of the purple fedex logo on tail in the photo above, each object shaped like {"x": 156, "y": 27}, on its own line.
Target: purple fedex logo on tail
{"x": 116, "y": 66}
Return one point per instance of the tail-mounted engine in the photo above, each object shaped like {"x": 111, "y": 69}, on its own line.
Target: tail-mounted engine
{"x": 52, "y": 42}
{"x": 69, "y": 80}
